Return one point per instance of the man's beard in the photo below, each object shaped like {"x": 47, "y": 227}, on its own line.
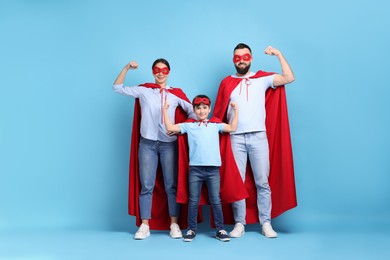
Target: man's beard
{"x": 242, "y": 71}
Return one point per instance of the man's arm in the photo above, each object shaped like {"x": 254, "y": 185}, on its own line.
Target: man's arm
{"x": 167, "y": 121}
{"x": 287, "y": 73}
{"x": 233, "y": 125}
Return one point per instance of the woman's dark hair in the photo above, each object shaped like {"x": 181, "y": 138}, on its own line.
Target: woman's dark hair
{"x": 242, "y": 46}
{"x": 162, "y": 61}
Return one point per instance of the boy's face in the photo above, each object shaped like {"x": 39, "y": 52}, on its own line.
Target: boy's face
{"x": 202, "y": 112}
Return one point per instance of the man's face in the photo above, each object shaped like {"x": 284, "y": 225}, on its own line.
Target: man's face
{"x": 242, "y": 60}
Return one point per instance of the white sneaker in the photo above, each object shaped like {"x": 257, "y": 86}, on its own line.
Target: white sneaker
{"x": 143, "y": 232}
{"x": 267, "y": 230}
{"x": 238, "y": 230}
{"x": 175, "y": 231}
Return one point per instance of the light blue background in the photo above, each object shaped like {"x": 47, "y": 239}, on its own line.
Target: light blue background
{"x": 64, "y": 134}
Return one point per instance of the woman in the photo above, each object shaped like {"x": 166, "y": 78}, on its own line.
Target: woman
{"x": 152, "y": 144}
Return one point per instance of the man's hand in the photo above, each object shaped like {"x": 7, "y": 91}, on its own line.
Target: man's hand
{"x": 271, "y": 51}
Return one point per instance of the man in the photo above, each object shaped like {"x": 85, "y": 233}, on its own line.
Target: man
{"x": 250, "y": 140}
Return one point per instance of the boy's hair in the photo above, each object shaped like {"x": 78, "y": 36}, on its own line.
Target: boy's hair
{"x": 162, "y": 60}
{"x": 242, "y": 46}
{"x": 201, "y": 99}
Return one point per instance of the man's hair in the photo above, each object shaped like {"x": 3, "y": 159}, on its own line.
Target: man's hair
{"x": 162, "y": 61}
{"x": 242, "y": 46}
{"x": 201, "y": 96}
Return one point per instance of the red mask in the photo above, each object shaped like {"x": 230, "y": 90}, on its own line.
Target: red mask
{"x": 157, "y": 70}
{"x": 198, "y": 101}
{"x": 245, "y": 57}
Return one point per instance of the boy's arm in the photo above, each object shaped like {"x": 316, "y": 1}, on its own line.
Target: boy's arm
{"x": 167, "y": 121}
{"x": 233, "y": 124}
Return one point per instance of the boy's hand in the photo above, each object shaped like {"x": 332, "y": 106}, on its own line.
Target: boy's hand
{"x": 166, "y": 105}
{"x": 234, "y": 105}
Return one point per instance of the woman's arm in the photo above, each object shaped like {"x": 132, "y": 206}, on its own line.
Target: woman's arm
{"x": 118, "y": 84}
{"x": 122, "y": 75}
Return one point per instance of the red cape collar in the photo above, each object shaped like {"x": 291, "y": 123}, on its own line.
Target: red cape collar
{"x": 211, "y": 120}
{"x": 175, "y": 91}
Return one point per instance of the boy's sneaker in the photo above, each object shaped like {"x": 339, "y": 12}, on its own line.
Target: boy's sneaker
{"x": 267, "y": 230}
{"x": 189, "y": 236}
{"x": 143, "y": 232}
{"x": 175, "y": 231}
{"x": 222, "y": 236}
{"x": 238, "y": 230}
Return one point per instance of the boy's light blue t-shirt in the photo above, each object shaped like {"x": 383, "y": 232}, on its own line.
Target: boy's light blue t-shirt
{"x": 203, "y": 142}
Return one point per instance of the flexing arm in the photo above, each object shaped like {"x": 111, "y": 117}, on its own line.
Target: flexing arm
{"x": 167, "y": 121}
{"x": 287, "y": 73}
{"x": 122, "y": 75}
{"x": 233, "y": 125}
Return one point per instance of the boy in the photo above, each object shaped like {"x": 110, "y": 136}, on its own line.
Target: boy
{"x": 205, "y": 160}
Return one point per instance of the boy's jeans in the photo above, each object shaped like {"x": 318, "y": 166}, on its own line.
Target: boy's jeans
{"x": 210, "y": 175}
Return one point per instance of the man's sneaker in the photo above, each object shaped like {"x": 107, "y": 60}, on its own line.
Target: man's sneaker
{"x": 222, "y": 236}
{"x": 267, "y": 230}
{"x": 143, "y": 232}
{"x": 175, "y": 231}
{"x": 238, "y": 230}
{"x": 189, "y": 236}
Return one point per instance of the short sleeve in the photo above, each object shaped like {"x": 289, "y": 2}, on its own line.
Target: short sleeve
{"x": 269, "y": 81}
{"x": 183, "y": 128}
{"x": 220, "y": 127}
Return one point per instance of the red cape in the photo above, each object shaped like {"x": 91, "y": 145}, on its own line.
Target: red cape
{"x": 281, "y": 178}
{"x": 160, "y": 215}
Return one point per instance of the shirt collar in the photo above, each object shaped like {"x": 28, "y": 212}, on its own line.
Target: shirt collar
{"x": 243, "y": 77}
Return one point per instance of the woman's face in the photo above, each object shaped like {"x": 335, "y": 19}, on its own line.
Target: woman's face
{"x": 160, "y": 72}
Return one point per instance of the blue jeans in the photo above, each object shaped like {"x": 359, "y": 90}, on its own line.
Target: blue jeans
{"x": 148, "y": 155}
{"x": 210, "y": 175}
{"x": 255, "y": 146}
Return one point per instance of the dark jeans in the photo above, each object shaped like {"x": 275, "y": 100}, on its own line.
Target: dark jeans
{"x": 210, "y": 175}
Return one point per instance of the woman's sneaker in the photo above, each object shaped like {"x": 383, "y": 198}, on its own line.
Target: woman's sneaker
{"x": 222, "y": 236}
{"x": 189, "y": 236}
{"x": 142, "y": 233}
